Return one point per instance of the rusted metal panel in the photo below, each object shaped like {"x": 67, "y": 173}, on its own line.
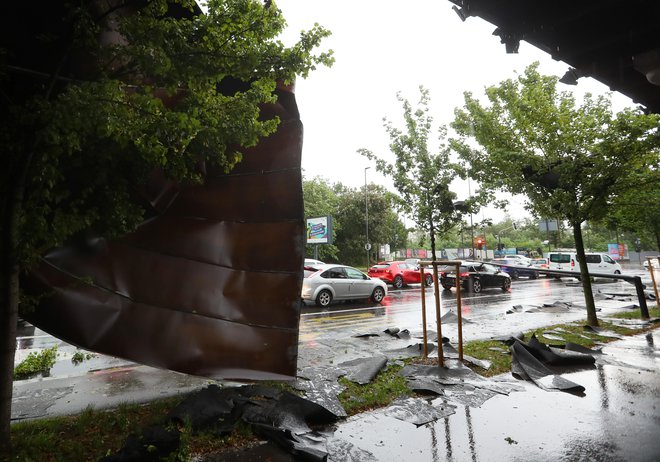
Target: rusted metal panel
{"x": 210, "y": 285}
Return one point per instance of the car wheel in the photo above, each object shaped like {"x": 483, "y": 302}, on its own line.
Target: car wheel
{"x": 324, "y": 298}
{"x": 476, "y": 286}
{"x": 515, "y": 275}
{"x": 378, "y": 295}
{"x": 535, "y": 275}
{"x": 428, "y": 280}
{"x": 506, "y": 285}
{"x": 398, "y": 282}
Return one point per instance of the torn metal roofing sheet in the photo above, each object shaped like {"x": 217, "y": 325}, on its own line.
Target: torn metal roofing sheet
{"x": 210, "y": 286}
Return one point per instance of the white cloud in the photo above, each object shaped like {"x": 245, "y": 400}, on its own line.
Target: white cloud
{"x": 381, "y": 48}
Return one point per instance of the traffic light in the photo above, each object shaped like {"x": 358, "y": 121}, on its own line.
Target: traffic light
{"x": 480, "y": 243}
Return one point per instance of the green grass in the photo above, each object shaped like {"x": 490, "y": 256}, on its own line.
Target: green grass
{"x": 385, "y": 388}
{"x": 573, "y": 332}
{"x": 93, "y": 434}
{"x": 654, "y": 312}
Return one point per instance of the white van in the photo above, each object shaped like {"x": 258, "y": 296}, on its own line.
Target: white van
{"x": 596, "y": 262}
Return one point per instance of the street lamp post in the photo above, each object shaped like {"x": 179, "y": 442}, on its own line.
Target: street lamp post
{"x": 367, "y": 245}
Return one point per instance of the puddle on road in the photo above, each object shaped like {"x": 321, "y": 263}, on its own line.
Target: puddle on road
{"x": 617, "y": 420}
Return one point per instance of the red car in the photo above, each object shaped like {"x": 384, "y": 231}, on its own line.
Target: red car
{"x": 398, "y": 273}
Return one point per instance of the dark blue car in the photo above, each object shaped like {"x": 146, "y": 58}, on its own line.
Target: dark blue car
{"x": 516, "y": 268}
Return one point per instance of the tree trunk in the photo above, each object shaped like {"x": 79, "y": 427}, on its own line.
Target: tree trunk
{"x": 592, "y": 320}
{"x": 9, "y": 289}
{"x": 432, "y": 233}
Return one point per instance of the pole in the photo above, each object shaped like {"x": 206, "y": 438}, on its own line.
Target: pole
{"x": 424, "y": 336}
{"x": 471, "y": 225}
{"x": 459, "y": 312}
{"x": 366, "y": 214}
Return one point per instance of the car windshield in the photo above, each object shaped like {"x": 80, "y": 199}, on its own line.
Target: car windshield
{"x": 381, "y": 265}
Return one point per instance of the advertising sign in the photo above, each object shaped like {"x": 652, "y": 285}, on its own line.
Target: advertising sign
{"x": 618, "y": 251}
{"x": 319, "y": 230}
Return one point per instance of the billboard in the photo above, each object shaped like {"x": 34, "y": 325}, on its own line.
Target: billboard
{"x": 319, "y": 230}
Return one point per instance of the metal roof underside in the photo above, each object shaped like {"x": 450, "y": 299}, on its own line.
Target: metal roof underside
{"x": 616, "y": 42}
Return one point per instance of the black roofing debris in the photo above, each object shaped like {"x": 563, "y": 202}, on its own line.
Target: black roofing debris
{"x": 321, "y": 387}
{"x": 454, "y": 373}
{"x": 531, "y": 361}
{"x": 153, "y": 444}
{"x": 411, "y": 351}
{"x": 363, "y": 370}
{"x": 280, "y": 416}
{"x": 367, "y": 335}
{"x": 343, "y": 450}
{"x": 452, "y": 318}
{"x": 468, "y": 395}
{"x": 398, "y": 333}
{"x": 555, "y": 307}
{"x": 417, "y": 411}
{"x": 602, "y": 332}
{"x": 450, "y": 352}
{"x": 509, "y": 339}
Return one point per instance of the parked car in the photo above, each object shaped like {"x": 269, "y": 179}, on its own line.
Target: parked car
{"x": 540, "y": 263}
{"x": 596, "y": 262}
{"x": 524, "y": 261}
{"x": 475, "y": 276}
{"x": 516, "y": 267}
{"x": 311, "y": 266}
{"x": 399, "y": 273}
{"x": 340, "y": 282}
{"x": 311, "y": 261}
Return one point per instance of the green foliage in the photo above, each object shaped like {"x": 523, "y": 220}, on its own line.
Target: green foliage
{"x": 347, "y": 208}
{"x": 654, "y": 312}
{"x": 421, "y": 177}
{"x": 385, "y": 226}
{"x": 148, "y": 102}
{"x": 569, "y": 161}
{"x": 36, "y": 363}
{"x": 80, "y": 356}
{"x": 321, "y": 200}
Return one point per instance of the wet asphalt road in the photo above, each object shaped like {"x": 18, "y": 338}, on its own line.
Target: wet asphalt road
{"x": 402, "y": 309}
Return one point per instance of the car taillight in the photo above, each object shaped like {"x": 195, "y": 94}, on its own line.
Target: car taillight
{"x": 572, "y": 262}
{"x": 464, "y": 275}
{"x": 443, "y": 274}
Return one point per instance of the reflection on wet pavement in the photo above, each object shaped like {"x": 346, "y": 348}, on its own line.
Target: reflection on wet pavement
{"x": 617, "y": 420}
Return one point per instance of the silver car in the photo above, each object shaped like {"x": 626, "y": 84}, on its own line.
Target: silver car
{"x": 340, "y": 282}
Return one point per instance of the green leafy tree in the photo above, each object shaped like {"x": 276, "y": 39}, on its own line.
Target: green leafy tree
{"x": 385, "y": 226}
{"x": 321, "y": 200}
{"x": 420, "y": 176}
{"x": 96, "y": 95}
{"x": 637, "y": 207}
{"x": 569, "y": 161}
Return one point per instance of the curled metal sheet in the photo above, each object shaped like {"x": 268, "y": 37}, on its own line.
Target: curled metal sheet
{"x": 209, "y": 286}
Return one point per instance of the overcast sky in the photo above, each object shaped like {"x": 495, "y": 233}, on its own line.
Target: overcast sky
{"x": 384, "y": 47}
